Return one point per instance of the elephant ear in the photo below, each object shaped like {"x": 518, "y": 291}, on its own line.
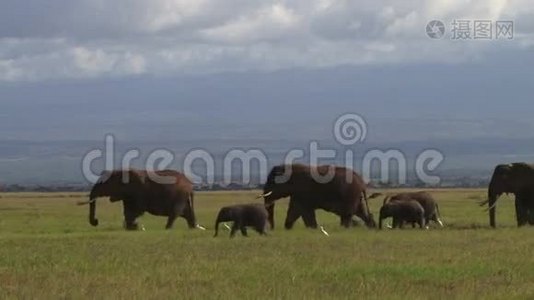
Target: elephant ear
{"x": 278, "y": 171}
{"x": 105, "y": 176}
{"x": 282, "y": 174}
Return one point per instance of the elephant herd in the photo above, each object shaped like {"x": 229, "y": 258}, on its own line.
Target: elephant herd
{"x": 334, "y": 189}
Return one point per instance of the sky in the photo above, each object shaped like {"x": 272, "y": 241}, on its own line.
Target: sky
{"x": 147, "y": 70}
{"x": 266, "y": 74}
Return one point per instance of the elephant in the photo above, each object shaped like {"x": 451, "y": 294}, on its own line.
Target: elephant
{"x": 426, "y": 200}
{"x": 334, "y": 189}
{"x": 243, "y": 215}
{"x": 410, "y": 211}
{"x": 517, "y": 179}
{"x": 142, "y": 191}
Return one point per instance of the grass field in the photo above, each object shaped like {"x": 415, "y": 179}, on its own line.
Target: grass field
{"x": 49, "y": 251}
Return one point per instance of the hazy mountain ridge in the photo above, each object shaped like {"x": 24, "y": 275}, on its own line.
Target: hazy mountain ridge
{"x": 39, "y": 162}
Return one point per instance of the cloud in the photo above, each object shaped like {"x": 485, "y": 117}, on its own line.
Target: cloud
{"x": 66, "y": 39}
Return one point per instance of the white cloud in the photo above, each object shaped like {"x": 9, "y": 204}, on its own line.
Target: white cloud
{"x": 268, "y": 23}
{"x": 97, "y": 38}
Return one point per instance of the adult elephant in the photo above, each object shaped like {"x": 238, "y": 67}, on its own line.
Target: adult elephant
{"x": 517, "y": 179}
{"x": 162, "y": 193}
{"x": 334, "y": 189}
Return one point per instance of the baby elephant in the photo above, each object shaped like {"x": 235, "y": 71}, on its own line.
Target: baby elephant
{"x": 403, "y": 211}
{"x": 253, "y": 215}
{"x": 426, "y": 200}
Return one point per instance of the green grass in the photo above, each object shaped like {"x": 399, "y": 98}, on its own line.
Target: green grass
{"x": 49, "y": 251}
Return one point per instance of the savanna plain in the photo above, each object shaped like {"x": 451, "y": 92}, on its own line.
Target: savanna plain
{"x": 48, "y": 250}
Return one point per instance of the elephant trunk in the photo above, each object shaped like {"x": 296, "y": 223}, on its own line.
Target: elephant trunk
{"x": 492, "y": 199}
{"x": 380, "y": 218}
{"x": 225, "y": 215}
{"x": 380, "y": 223}
{"x": 270, "y": 211}
{"x": 216, "y": 228}
{"x": 220, "y": 218}
{"x": 92, "y": 208}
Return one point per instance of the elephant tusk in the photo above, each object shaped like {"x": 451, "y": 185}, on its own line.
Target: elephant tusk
{"x": 491, "y": 207}
{"x": 324, "y": 231}
{"x": 226, "y": 226}
{"x": 200, "y": 227}
{"x": 440, "y": 223}
{"x": 85, "y": 202}
{"x": 265, "y": 195}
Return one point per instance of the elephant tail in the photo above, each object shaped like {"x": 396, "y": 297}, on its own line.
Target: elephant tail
{"x": 216, "y": 229}
{"x": 380, "y": 221}
{"x": 92, "y": 211}
{"x": 365, "y": 199}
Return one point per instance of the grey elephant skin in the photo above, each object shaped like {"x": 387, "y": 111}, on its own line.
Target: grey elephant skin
{"x": 517, "y": 179}
{"x": 426, "y": 200}
{"x": 140, "y": 193}
{"x": 344, "y": 194}
{"x": 409, "y": 211}
{"x": 243, "y": 216}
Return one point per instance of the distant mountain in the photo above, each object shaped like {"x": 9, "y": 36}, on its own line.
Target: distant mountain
{"x": 477, "y": 115}
{"x": 399, "y": 103}
{"x": 59, "y": 162}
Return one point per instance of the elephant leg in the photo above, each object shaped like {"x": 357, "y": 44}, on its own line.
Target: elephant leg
{"x": 293, "y": 213}
{"x": 131, "y": 213}
{"x": 234, "y": 229}
{"x": 244, "y": 231}
{"x": 261, "y": 227}
{"x": 184, "y": 210}
{"x": 422, "y": 222}
{"x": 309, "y": 218}
{"x": 261, "y": 230}
{"x": 346, "y": 221}
{"x": 179, "y": 209}
{"x": 530, "y": 216}
{"x": 170, "y": 221}
{"x": 528, "y": 204}
{"x": 520, "y": 211}
{"x": 395, "y": 223}
{"x": 367, "y": 219}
